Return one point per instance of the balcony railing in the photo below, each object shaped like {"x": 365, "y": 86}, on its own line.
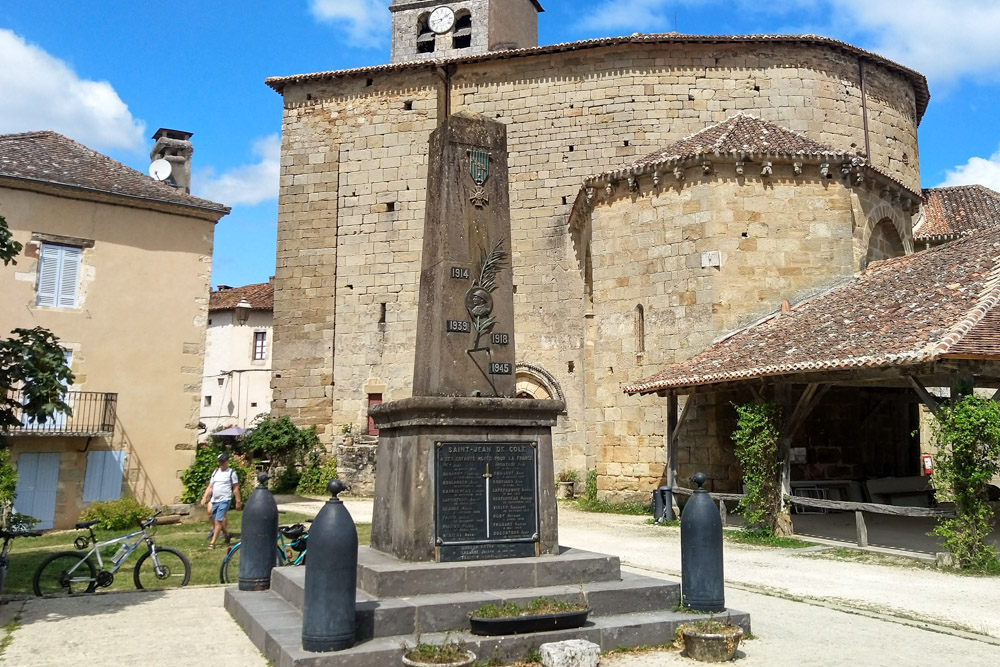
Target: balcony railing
{"x": 93, "y": 416}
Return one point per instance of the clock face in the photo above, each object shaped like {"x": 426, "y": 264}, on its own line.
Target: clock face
{"x": 441, "y": 20}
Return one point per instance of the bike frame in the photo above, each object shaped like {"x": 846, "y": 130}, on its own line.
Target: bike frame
{"x": 141, "y": 536}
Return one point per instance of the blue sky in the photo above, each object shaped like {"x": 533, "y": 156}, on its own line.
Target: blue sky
{"x": 107, "y": 73}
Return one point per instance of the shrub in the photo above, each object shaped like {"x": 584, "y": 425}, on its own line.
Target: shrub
{"x": 287, "y": 480}
{"x": 118, "y": 514}
{"x": 281, "y": 441}
{"x": 756, "y": 439}
{"x": 968, "y": 456}
{"x": 590, "y": 493}
{"x": 316, "y": 475}
{"x": 206, "y": 460}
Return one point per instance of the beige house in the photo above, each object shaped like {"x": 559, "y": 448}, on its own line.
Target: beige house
{"x": 644, "y": 266}
{"x": 236, "y": 386}
{"x": 117, "y": 266}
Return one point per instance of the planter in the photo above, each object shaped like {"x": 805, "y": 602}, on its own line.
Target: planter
{"x": 564, "y": 490}
{"x": 469, "y": 658}
{"x": 519, "y": 625}
{"x": 712, "y": 646}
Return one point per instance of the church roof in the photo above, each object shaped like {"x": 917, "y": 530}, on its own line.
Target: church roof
{"x": 47, "y": 157}
{"x": 916, "y": 309}
{"x": 919, "y": 81}
{"x": 741, "y": 133}
{"x": 260, "y": 296}
{"x": 952, "y": 212}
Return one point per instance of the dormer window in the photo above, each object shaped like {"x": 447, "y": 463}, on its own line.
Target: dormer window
{"x": 425, "y": 36}
{"x": 462, "y": 38}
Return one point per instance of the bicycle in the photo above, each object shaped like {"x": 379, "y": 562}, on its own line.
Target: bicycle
{"x": 8, "y": 536}
{"x": 67, "y": 572}
{"x": 289, "y": 553}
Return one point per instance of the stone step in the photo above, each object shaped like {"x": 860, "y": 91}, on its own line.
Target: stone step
{"x": 381, "y": 617}
{"x": 382, "y": 575}
{"x": 275, "y": 627}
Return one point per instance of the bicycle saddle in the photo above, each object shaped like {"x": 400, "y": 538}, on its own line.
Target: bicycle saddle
{"x": 293, "y": 532}
{"x": 86, "y": 524}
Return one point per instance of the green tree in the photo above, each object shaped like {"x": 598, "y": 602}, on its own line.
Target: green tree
{"x": 283, "y": 443}
{"x": 968, "y": 456}
{"x": 33, "y": 360}
{"x": 757, "y": 438}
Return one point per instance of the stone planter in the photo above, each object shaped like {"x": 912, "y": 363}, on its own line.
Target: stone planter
{"x": 469, "y": 658}
{"x": 712, "y": 646}
{"x": 516, "y": 625}
{"x": 564, "y": 490}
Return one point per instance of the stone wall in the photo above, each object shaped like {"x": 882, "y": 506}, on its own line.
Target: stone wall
{"x": 351, "y": 215}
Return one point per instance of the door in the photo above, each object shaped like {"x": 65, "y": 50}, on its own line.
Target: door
{"x": 37, "y": 484}
{"x": 373, "y": 399}
{"x": 103, "y": 480}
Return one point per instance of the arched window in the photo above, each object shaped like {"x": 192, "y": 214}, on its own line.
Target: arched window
{"x": 883, "y": 243}
{"x": 425, "y": 36}
{"x": 640, "y": 331}
{"x": 462, "y": 38}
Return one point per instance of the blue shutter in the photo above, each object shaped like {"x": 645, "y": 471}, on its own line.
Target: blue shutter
{"x": 103, "y": 480}
{"x": 58, "y": 276}
{"x": 37, "y": 485}
{"x": 69, "y": 277}
{"x": 48, "y": 275}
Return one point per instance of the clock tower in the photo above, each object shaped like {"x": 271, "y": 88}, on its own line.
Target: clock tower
{"x": 426, "y": 29}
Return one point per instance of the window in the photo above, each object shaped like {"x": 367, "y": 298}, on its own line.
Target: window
{"x": 462, "y": 39}
{"x": 425, "y": 36}
{"x": 259, "y": 345}
{"x": 208, "y": 401}
{"x": 58, "y": 276}
{"x": 640, "y": 330}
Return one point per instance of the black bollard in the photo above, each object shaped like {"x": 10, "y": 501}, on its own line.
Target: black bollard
{"x": 259, "y": 538}
{"x": 328, "y": 614}
{"x": 702, "y": 580}
{"x": 663, "y": 504}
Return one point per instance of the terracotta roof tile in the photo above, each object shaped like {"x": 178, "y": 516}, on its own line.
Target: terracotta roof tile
{"x": 949, "y": 213}
{"x": 260, "y": 296}
{"x": 919, "y": 81}
{"x": 741, "y": 133}
{"x": 48, "y": 157}
{"x": 906, "y": 310}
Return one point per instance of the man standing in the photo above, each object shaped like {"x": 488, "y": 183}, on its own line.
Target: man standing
{"x": 223, "y": 487}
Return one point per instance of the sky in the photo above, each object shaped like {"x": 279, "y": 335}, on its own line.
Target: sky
{"x": 108, "y": 73}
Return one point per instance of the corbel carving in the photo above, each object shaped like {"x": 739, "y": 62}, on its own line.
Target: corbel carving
{"x": 678, "y": 173}
{"x": 739, "y": 167}
{"x": 633, "y": 183}
{"x": 767, "y": 169}
{"x": 797, "y": 168}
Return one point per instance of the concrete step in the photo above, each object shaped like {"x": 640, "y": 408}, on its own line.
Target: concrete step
{"x": 438, "y": 612}
{"x": 275, "y": 627}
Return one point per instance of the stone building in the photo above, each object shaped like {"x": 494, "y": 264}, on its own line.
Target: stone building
{"x": 117, "y": 266}
{"x": 613, "y": 277}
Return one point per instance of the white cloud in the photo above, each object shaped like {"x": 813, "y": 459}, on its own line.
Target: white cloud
{"x": 41, "y": 92}
{"x": 643, "y": 15}
{"x": 977, "y": 170}
{"x": 248, "y": 184}
{"x": 366, "y": 22}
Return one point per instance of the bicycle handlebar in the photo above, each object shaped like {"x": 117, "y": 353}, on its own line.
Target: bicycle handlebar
{"x": 20, "y": 533}
{"x": 146, "y": 523}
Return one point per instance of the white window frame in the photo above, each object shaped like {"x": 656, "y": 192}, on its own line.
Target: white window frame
{"x": 58, "y": 275}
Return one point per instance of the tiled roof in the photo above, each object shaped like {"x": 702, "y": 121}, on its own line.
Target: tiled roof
{"x": 949, "y": 213}
{"x": 739, "y": 133}
{"x": 260, "y": 296}
{"x": 48, "y": 157}
{"x": 906, "y": 310}
{"x": 918, "y": 80}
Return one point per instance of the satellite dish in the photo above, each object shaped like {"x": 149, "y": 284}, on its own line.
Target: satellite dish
{"x": 160, "y": 169}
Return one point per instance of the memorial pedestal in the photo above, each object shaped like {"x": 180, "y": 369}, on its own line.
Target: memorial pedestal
{"x": 465, "y": 478}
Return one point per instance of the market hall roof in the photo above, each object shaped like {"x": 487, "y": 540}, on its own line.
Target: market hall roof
{"x": 260, "y": 296}
{"x": 918, "y": 80}
{"x": 952, "y": 212}
{"x": 935, "y": 305}
{"x": 49, "y": 158}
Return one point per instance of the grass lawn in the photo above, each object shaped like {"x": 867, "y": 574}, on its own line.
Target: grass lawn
{"x": 190, "y": 539}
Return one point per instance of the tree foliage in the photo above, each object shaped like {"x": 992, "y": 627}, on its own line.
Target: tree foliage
{"x": 757, "y": 438}
{"x": 206, "y": 460}
{"x": 279, "y": 439}
{"x": 968, "y": 456}
{"x": 33, "y": 360}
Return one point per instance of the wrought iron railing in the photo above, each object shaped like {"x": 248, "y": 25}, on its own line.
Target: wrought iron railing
{"x": 93, "y": 415}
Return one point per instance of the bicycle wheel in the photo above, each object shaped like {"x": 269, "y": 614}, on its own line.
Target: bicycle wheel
{"x": 229, "y": 572}
{"x": 54, "y": 576}
{"x": 173, "y": 570}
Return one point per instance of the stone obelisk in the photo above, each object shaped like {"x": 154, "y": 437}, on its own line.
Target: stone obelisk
{"x": 464, "y": 469}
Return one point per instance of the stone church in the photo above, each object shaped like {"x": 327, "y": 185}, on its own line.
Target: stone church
{"x": 665, "y": 189}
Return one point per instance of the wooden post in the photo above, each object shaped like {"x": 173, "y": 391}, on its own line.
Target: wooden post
{"x": 723, "y": 512}
{"x": 672, "y": 440}
{"x": 859, "y": 519}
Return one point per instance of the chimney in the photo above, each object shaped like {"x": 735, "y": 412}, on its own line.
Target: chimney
{"x": 175, "y": 147}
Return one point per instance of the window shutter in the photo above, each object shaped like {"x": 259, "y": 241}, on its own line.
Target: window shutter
{"x": 103, "y": 480}
{"x": 48, "y": 275}
{"x": 69, "y": 277}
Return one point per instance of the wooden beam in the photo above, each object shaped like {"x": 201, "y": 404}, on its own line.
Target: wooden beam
{"x": 684, "y": 414}
{"x": 672, "y": 439}
{"x": 925, "y": 396}
{"x": 995, "y": 396}
{"x": 681, "y": 491}
{"x": 859, "y": 522}
{"x": 874, "y": 508}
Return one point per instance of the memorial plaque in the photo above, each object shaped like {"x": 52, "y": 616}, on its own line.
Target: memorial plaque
{"x": 487, "y": 500}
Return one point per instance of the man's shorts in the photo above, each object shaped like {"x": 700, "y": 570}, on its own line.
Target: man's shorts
{"x": 219, "y": 510}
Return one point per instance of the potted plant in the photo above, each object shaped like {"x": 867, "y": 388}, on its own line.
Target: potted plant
{"x": 565, "y": 483}
{"x": 447, "y": 654}
{"x": 710, "y": 640}
{"x": 538, "y": 615}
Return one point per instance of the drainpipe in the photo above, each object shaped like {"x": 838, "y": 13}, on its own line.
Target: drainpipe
{"x": 445, "y": 73}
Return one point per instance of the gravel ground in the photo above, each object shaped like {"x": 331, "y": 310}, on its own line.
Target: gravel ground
{"x": 806, "y": 609}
